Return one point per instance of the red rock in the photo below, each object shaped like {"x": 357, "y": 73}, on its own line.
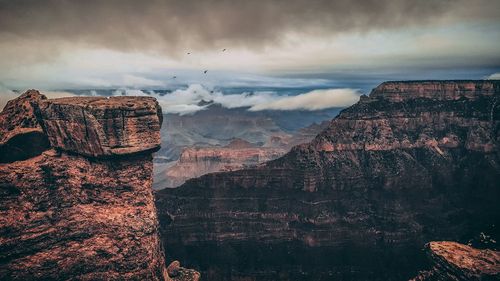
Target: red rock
{"x": 195, "y": 162}
{"x": 173, "y": 268}
{"x": 21, "y": 134}
{"x": 98, "y": 126}
{"x": 437, "y": 90}
{"x": 455, "y": 261}
{"x": 238, "y": 154}
{"x": 66, "y": 216}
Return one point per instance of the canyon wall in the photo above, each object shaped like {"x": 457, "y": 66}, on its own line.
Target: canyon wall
{"x": 410, "y": 163}
{"x": 198, "y": 161}
{"x": 76, "y": 198}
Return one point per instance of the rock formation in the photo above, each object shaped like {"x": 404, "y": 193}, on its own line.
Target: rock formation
{"x": 97, "y": 127}
{"x": 237, "y": 154}
{"x": 21, "y": 135}
{"x": 411, "y": 163}
{"x": 455, "y": 261}
{"x": 82, "y": 207}
{"x": 198, "y": 161}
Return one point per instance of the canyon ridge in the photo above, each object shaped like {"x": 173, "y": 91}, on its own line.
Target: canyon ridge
{"x": 412, "y": 162}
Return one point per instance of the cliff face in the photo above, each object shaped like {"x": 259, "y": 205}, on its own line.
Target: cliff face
{"x": 81, "y": 207}
{"x": 238, "y": 154}
{"x": 413, "y": 162}
{"x": 455, "y": 261}
{"x": 198, "y": 161}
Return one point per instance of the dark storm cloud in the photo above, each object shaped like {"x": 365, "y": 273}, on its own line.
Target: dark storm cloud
{"x": 177, "y": 25}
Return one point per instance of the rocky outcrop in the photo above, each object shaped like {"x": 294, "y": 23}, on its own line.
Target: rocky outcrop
{"x": 67, "y": 216}
{"x": 21, "y": 134}
{"x": 97, "y": 127}
{"x": 178, "y": 273}
{"x": 411, "y": 163}
{"x": 455, "y": 261}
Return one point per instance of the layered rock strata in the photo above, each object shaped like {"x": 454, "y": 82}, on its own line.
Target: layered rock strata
{"x": 410, "y": 163}
{"x": 198, "y": 161}
{"x": 82, "y": 207}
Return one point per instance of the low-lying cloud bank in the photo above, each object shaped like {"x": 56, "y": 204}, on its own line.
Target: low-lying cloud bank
{"x": 195, "y": 98}
{"x": 494, "y": 76}
{"x": 313, "y": 100}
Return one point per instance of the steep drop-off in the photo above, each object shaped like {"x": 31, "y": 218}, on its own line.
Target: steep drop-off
{"x": 76, "y": 198}
{"x": 413, "y": 162}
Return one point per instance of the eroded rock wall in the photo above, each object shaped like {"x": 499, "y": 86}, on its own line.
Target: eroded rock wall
{"x": 82, "y": 207}
{"x": 411, "y": 163}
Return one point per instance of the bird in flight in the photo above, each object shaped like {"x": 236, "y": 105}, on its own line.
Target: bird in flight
{"x": 223, "y": 50}
{"x": 188, "y": 53}
{"x": 205, "y": 71}
{"x": 174, "y": 77}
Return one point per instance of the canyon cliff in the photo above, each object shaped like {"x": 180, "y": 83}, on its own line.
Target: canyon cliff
{"x": 198, "y": 161}
{"x": 412, "y": 162}
{"x": 76, "y": 198}
{"x": 237, "y": 154}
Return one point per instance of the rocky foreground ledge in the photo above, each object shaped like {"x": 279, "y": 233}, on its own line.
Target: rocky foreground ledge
{"x": 75, "y": 190}
{"x": 455, "y": 261}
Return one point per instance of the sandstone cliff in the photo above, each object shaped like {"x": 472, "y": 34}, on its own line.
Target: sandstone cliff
{"x": 412, "y": 162}
{"x": 198, "y": 161}
{"x": 458, "y": 262}
{"x": 237, "y": 154}
{"x": 75, "y": 189}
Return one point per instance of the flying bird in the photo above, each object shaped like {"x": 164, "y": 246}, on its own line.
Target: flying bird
{"x": 174, "y": 77}
{"x": 223, "y": 50}
{"x": 188, "y": 53}
{"x": 205, "y": 71}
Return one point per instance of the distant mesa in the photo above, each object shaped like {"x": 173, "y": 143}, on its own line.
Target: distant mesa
{"x": 238, "y": 143}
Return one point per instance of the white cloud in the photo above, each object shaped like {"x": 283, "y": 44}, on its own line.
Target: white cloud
{"x": 313, "y": 100}
{"x": 187, "y": 101}
{"x": 494, "y": 76}
{"x": 190, "y": 100}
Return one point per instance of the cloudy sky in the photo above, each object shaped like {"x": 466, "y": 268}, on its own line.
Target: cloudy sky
{"x": 323, "y": 44}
